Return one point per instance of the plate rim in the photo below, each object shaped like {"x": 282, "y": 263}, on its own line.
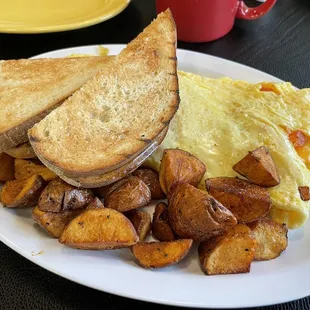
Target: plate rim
{"x": 31, "y": 257}
{"x": 61, "y": 27}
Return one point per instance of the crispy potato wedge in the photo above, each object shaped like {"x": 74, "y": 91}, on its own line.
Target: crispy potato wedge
{"x": 22, "y": 193}
{"x": 6, "y": 167}
{"x": 27, "y": 168}
{"x": 59, "y": 196}
{"x": 304, "y": 193}
{"x": 178, "y": 166}
{"x": 161, "y": 228}
{"x": 51, "y": 199}
{"x": 95, "y": 204}
{"x": 99, "y": 229}
{"x": 128, "y": 194}
{"x": 259, "y": 168}
{"x": 271, "y": 238}
{"x": 151, "y": 179}
{"x": 141, "y": 221}
{"x": 196, "y": 215}
{"x": 247, "y": 201}
{"x": 161, "y": 254}
{"x": 77, "y": 198}
{"x": 24, "y": 151}
{"x": 232, "y": 252}
{"x": 54, "y": 223}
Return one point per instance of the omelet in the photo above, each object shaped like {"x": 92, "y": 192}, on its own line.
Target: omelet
{"x": 221, "y": 120}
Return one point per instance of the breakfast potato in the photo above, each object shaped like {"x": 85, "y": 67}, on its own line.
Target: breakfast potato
{"x": 59, "y": 196}
{"x": 161, "y": 254}
{"x": 6, "y": 167}
{"x": 232, "y": 252}
{"x": 161, "y": 228}
{"x": 271, "y": 238}
{"x": 95, "y": 204}
{"x": 141, "y": 221}
{"x": 196, "y": 215}
{"x": 99, "y": 229}
{"x": 22, "y": 193}
{"x": 24, "y": 151}
{"x": 54, "y": 223}
{"x": 304, "y": 193}
{"x": 259, "y": 168}
{"x": 27, "y": 168}
{"x": 247, "y": 201}
{"x": 128, "y": 194}
{"x": 178, "y": 166}
{"x": 151, "y": 179}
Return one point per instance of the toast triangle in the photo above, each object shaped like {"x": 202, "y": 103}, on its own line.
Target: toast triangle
{"x": 31, "y": 88}
{"x": 119, "y": 112}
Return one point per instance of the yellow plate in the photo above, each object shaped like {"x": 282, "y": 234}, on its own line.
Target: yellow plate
{"x": 37, "y": 16}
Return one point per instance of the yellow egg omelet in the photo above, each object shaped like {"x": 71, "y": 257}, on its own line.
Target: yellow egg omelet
{"x": 221, "y": 120}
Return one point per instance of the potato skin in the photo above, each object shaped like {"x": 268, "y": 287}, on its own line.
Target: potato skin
{"x": 6, "y": 167}
{"x": 161, "y": 254}
{"x": 99, "y": 229}
{"x": 151, "y": 179}
{"x": 54, "y": 223}
{"x": 179, "y": 166}
{"x": 161, "y": 228}
{"x": 59, "y": 196}
{"x": 196, "y": 215}
{"x": 259, "y": 168}
{"x": 271, "y": 238}
{"x": 128, "y": 194}
{"x": 22, "y": 193}
{"x": 229, "y": 253}
{"x": 141, "y": 221}
{"x": 95, "y": 204}
{"x": 247, "y": 201}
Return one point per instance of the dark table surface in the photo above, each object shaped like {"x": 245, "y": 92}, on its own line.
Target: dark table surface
{"x": 278, "y": 43}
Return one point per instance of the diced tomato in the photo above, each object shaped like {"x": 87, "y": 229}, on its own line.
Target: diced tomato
{"x": 298, "y": 138}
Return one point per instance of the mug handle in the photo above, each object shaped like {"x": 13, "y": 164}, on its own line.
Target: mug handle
{"x": 244, "y": 12}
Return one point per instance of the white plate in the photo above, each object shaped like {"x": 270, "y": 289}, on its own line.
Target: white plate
{"x": 283, "y": 279}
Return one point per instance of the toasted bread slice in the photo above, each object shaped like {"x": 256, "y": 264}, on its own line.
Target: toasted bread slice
{"x": 31, "y": 88}
{"x": 117, "y": 174}
{"x": 118, "y": 113}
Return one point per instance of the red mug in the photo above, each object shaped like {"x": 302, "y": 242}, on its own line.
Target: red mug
{"x": 208, "y": 20}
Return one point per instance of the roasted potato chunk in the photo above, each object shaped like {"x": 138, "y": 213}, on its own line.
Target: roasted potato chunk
{"x": 304, "y": 193}
{"x": 259, "y": 168}
{"x": 95, "y": 204}
{"x": 178, "y": 166}
{"x": 24, "y": 151}
{"x": 247, "y": 201}
{"x": 59, "y": 196}
{"x": 151, "y": 179}
{"x": 27, "y": 168}
{"x": 22, "y": 193}
{"x": 232, "y": 252}
{"x": 141, "y": 221}
{"x": 99, "y": 229}
{"x": 6, "y": 167}
{"x": 161, "y": 254}
{"x": 271, "y": 238}
{"x": 54, "y": 223}
{"x": 161, "y": 228}
{"x": 128, "y": 194}
{"x": 196, "y": 215}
